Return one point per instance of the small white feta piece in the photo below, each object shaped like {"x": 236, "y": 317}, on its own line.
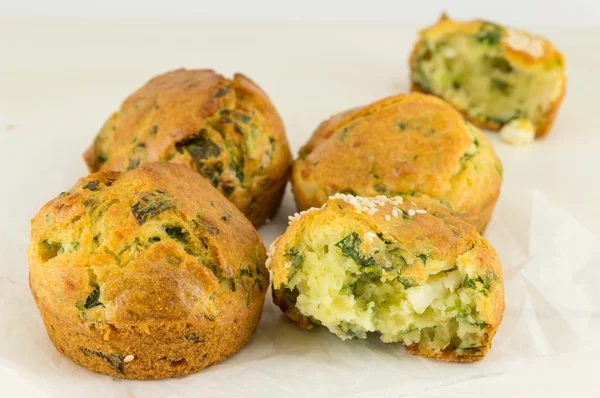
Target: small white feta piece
{"x": 421, "y": 297}
{"x": 518, "y": 132}
{"x": 453, "y": 280}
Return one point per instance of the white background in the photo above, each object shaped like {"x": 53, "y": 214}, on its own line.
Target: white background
{"x": 517, "y": 12}
{"x": 59, "y": 80}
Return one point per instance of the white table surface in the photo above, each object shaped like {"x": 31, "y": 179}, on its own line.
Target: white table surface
{"x": 60, "y": 80}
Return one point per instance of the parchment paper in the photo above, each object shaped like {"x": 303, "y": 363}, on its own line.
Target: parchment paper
{"x": 551, "y": 275}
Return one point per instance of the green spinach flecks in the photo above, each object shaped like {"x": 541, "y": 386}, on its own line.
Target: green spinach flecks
{"x": 114, "y": 360}
{"x": 295, "y": 258}
{"x": 151, "y": 205}
{"x": 402, "y": 126}
{"x": 222, "y": 91}
{"x": 200, "y": 147}
{"x": 92, "y": 186}
{"x": 479, "y": 283}
{"x": 133, "y": 164}
{"x": 381, "y": 188}
{"x": 242, "y": 117}
{"x": 227, "y": 189}
{"x": 193, "y": 338}
{"x": 500, "y": 63}
{"x": 344, "y": 135}
{"x": 238, "y": 168}
{"x": 173, "y": 260}
{"x": 348, "y": 191}
{"x": 230, "y": 283}
{"x": 93, "y": 299}
{"x": 49, "y": 250}
{"x": 212, "y": 171}
{"x": 154, "y": 130}
{"x": 350, "y": 248}
{"x": 489, "y": 34}
{"x": 178, "y": 234}
{"x": 501, "y": 85}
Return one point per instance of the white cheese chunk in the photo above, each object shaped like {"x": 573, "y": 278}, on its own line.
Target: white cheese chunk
{"x": 518, "y": 132}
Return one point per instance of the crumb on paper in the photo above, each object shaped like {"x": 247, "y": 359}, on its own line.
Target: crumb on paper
{"x": 9, "y": 127}
{"x": 518, "y": 132}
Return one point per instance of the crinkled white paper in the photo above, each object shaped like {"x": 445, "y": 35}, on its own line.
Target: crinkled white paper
{"x": 551, "y": 274}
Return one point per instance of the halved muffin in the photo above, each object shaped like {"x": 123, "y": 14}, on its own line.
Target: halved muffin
{"x": 409, "y": 271}
{"x": 491, "y": 73}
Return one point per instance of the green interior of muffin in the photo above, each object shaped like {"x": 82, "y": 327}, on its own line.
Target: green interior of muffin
{"x": 355, "y": 283}
{"x": 471, "y": 72}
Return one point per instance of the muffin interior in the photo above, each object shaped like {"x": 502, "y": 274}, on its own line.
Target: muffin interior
{"x": 472, "y": 72}
{"x": 353, "y": 280}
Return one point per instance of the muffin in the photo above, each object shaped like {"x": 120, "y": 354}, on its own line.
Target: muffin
{"x": 490, "y": 73}
{"x": 410, "y": 145}
{"x": 409, "y": 271}
{"x": 147, "y": 274}
{"x": 225, "y": 129}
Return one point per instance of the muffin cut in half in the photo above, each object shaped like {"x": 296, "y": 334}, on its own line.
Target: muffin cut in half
{"x": 409, "y": 271}
{"x": 410, "y": 145}
{"x": 491, "y": 73}
{"x": 226, "y": 129}
{"x": 147, "y": 274}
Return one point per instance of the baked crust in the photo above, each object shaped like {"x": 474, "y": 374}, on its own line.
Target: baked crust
{"x": 448, "y": 237}
{"x": 147, "y": 274}
{"x": 516, "y": 56}
{"x": 226, "y": 129}
{"x": 364, "y": 152}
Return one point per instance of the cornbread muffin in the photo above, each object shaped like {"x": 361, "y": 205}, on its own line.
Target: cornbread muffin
{"x": 225, "y": 129}
{"x": 409, "y": 145}
{"x": 491, "y": 73}
{"x": 409, "y": 271}
{"x": 147, "y": 274}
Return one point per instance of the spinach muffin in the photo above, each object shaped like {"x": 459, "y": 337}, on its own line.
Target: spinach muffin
{"x": 491, "y": 73}
{"x": 409, "y": 271}
{"x": 225, "y": 129}
{"x": 409, "y": 145}
{"x": 147, "y": 274}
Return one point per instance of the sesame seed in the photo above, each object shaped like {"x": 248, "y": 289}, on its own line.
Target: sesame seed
{"x": 387, "y": 217}
{"x": 369, "y": 236}
{"x": 420, "y": 211}
{"x": 287, "y": 265}
{"x": 395, "y": 213}
{"x": 297, "y": 216}
{"x": 128, "y": 358}
{"x": 411, "y": 212}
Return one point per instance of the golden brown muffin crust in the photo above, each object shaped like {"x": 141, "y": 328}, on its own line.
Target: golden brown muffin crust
{"x": 401, "y": 145}
{"x": 153, "y": 263}
{"x": 226, "y": 129}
